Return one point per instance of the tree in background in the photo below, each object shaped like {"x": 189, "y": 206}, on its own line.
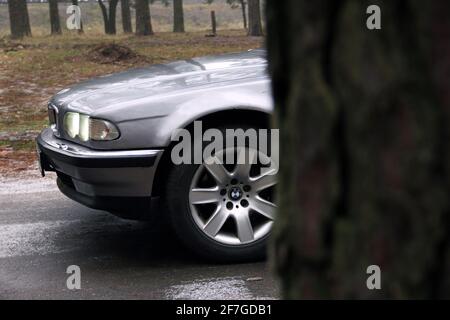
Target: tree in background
{"x": 19, "y": 19}
{"x": 109, "y": 15}
{"x": 55, "y": 23}
{"x": 143, "y": 18}
{"x": 178, "y": 16}
{"x": 236, "y": 4}
{"x": 243, "y": 5}
{"x": 365, "y": 172}
{"x": 126, "y": 16}
{"x": 254, "y": 18}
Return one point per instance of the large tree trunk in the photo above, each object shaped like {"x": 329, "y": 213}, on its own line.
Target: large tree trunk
{"x": 112, "y": 16}
{"x": 109, "y": 16}
{"x": 126, "y": 16}
{"x": 365, "y": 142}
{"x": 104, "y": 15}
{"x": 26, "y": 18}
{"x": 18, "y": 19}
{"x": 244, "y": 12}
{"x": 254, "y": 18}
{"x": 143, "y": 18}
{"x": 178, "y": 16}
{"x": 55, "y": 23}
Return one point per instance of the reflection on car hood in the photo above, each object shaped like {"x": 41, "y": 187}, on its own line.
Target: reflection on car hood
{"x": 164, "y": 79}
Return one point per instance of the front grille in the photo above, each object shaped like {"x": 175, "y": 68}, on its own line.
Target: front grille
{"x": 53, "y": 118}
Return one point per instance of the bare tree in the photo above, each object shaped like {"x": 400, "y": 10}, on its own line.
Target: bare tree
{"x": 235, "y": 4}
{"x": 126, "y": 16}
{"x": 109, "y": 15}
{"x": 19, "y": 19}
{"x": 365, "y": 141}
{"x": 243, "y": 5}
{"x": 55, "y": 23}
{"x": 244, "y": 12}
{"x": 254, "y": 18}
{"x": 178, "y": 16}
{"x": 143, "y": 18}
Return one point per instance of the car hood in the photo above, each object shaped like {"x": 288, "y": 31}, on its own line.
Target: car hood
{"x": 138, "y": 87}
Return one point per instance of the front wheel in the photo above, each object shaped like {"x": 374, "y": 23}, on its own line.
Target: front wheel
{"x": 224, "y": 212}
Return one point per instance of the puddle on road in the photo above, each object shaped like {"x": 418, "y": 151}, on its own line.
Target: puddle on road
{"x": 211, "y": 289}
{"x": 29, "y": 238}
{"x": 50, "y": 237}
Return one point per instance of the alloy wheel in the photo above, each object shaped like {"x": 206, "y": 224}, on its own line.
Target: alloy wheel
{"x": 234, "y": 204}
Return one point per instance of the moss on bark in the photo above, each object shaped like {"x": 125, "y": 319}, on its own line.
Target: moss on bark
{"x": 365, "y": 161}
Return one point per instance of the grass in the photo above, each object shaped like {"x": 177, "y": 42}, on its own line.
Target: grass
{"x": 33, "y": 69}
{"x": 19, "y": 145}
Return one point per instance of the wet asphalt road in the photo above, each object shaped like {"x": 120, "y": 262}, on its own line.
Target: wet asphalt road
{"x": 42, "y": 233}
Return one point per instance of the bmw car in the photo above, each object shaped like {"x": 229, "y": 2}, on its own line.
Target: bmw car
{"x": 110, "y": 142}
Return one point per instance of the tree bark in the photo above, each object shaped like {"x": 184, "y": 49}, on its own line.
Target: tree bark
{"x": 18, "y": 18}
{"x": 104, "y": 15}
{"x": 365, "y": 143}
{"x": 244, "y": 12}
{"x": 254, "y": 18}
{"x": 112, "y": 16}
{"x": 55, "y": 23}
{"x": 126, "y": 16}
{"x": 109, "y": 16}
{"x": 26, "y": 18}
{"x": 143, "y": 18}
{"x": 178, "y": 16}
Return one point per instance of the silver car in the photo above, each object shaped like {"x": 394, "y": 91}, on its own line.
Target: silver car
{"x": 110, "y": 142}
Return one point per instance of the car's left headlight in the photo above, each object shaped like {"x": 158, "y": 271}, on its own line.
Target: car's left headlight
{"x": 85, "y": 128}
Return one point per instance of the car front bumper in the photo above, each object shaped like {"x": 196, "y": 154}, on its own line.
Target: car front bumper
{"x": 99, "y": 179}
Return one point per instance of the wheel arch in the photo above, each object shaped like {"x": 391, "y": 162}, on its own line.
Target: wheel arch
{"x": 250, "y": 117}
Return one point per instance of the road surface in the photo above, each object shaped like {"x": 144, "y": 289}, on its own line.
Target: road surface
{"x": 42, "y": 233}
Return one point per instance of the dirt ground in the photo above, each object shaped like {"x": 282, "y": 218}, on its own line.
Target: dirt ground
{"x": 34, "y": 69}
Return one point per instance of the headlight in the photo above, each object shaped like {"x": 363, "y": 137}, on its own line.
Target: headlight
{"x": 102, "y": 130}
{"x": 72, "y": 124}
{"x": 86, "y": 128}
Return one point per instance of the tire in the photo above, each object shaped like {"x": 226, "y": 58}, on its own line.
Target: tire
{"x": 188, "y": 225}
